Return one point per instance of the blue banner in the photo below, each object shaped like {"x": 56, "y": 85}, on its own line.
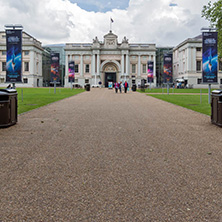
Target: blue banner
{"x": 14, "y": 56}
{"x": 209, "y": 57}
{"x": 167, "y": 68}
{"x": 150, "y": 71}
{"x": 71, "y": 71}
{"x": 55, "y": 67}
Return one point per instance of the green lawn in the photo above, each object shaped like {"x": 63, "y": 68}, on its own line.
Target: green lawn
{"x": 192, "y": 102}
{"x": 37, "y": 97}
{"x": 171, "y": 90}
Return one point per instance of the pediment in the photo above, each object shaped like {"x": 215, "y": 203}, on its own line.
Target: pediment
{"x": 110, "y": 40}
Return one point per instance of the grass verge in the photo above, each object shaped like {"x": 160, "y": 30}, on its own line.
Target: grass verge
{"x": 32, "y": 98}
{"x": 193, "y": 102}
{"x": 171, "y": 90}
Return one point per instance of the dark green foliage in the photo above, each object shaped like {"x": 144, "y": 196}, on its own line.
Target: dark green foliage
{"x": 213, "y": 13}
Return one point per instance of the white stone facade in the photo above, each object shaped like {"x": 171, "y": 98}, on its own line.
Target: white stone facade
{"x": 99, "y": 61}
{"x": 31, "y": 61}
{"x": 187, "y": 63}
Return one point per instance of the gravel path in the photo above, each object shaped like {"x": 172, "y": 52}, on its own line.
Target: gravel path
{"x": 101, "y": 156}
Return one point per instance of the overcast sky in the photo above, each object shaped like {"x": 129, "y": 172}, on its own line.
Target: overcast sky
{"x": 164, "y": 22}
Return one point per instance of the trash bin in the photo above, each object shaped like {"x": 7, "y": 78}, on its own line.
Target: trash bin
{"x": 8, "y": 107}
{"x": 134, "y": 87}
{"x": 216, "y": 107}
{"x": 142, "y": 85}
{"x": 87, "y": 87}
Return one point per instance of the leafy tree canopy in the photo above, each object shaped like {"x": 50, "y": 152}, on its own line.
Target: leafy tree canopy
{"x": 213, "y": 13}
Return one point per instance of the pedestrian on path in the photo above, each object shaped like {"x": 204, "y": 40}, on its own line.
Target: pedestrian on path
{"x": 116, "y": 86}
{"x": 120, "y": 87}
{"x": 125, "y": 86}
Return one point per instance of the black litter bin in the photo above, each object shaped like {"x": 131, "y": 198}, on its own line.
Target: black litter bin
{"x": 134, "y": 87}
{"x": 142, "y": 85}
{"x": 87, "y": 87}
{"x": 216, "y": 107}
{"x": 8, "y": 107}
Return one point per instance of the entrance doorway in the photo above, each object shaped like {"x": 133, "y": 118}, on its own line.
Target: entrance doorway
{"x": 110, "y": 77}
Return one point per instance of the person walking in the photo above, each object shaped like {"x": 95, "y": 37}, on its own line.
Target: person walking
{"x": 120, "y": 87}
{"x": 116, "y": 86}
{"x": 125, "y": 86}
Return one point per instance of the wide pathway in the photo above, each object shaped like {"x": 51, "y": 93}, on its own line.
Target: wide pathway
{"x": 101, "y": 156}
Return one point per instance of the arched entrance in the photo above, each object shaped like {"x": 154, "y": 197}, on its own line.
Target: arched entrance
{"x": 110, "y": 72}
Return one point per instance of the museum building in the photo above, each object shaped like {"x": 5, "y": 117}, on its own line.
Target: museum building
{"x": 187, "y": 63}
{"x": 109, "y": 61}
{"x": 32, "y": 61}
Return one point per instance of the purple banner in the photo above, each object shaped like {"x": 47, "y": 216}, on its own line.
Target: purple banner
{"x": 167, "y": 68}
{"x": 150, "y": 71}
{"x": 209, "y": 57}
{"x": 55, "y": 67}
{"x": 14, "y": 56}
{"x": 71, "y": 71}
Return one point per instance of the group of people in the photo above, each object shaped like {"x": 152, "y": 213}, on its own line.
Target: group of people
{"x": 120, "y": 85}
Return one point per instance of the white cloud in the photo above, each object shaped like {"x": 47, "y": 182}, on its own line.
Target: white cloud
{"x": 57, "y": 21}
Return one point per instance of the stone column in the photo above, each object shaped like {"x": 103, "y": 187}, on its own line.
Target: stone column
{"x": 189, "y": 59}
{"x": 32, "y": 63}
{"x": 93, "y": 65}
{"x": 81, "y": 66}
{"x": 98, "y": 64}
{"x": 149, "y": 58}
{"x": 194, "y": 60}
{"x": 122, "y": 65}
{"x": 127, "y": 64}
{"x": 139, "y": 66}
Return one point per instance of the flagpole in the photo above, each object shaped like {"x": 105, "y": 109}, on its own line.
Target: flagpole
{"x": 111, "y": 24}
{"x": 111, "y": 21}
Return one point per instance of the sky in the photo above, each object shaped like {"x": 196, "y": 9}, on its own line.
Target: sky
{"x": 163, "y": 22}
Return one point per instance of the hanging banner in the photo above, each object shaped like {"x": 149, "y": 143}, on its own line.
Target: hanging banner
{"x": 14, "y": 55}
{"x": 71, "y": 71}
{"x": 167, "y": 68}
{"x": 55, "y": 67}
{"x": 150, "y": 71}
{"x": 209, "y": 57}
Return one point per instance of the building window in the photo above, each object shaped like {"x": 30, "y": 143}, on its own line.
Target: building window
{"x": 199, "y": 81}
{"x": 26, "y": 52}
{"x": 3, "y": 66}
{"x": 198, "y": 49}
{"x": 76, "y": 81}
{"x": 87, "y": 68}
{"x": 220, "y": 81}
{"x": 133, "y": 68}
{"x": 2, "y": 80}
{"x": 26, "y": 66}
{"x": 25, "y": 80}
{"x": 76, "y": 68}
{"x": 3, "y": 52}
{"x": 198, "y": 66}
{"x": 86, "y": 81}
{"x": 144, "y": 68}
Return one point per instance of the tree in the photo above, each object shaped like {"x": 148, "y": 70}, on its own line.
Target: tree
{"x": 213, "y": 13}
